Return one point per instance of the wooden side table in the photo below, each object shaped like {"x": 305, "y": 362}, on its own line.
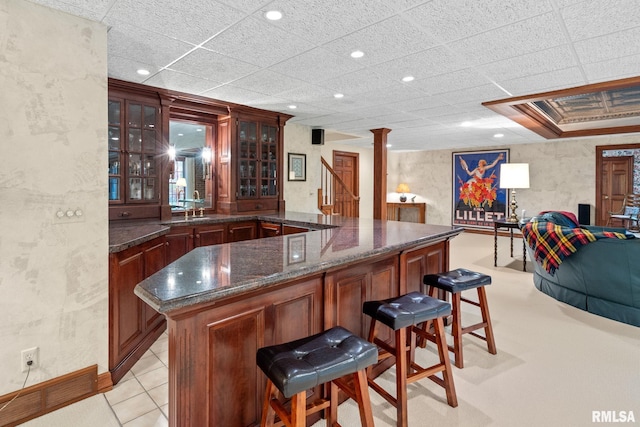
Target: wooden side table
{"x": 409, "y": 212}
{"x": 497, "y": 224}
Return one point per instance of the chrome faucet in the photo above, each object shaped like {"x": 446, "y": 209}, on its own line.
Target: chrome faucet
{"x": 196, "y": 195}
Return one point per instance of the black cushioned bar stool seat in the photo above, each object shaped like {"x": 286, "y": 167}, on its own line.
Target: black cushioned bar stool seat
{"x": 402, "y": 314}
{"x": 455, "y": 282}
{"x": 328, "y": 357}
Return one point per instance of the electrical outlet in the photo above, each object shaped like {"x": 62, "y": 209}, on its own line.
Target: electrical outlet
{"x": 29, "y": 355}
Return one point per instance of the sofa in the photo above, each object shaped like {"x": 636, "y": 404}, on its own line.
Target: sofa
{"x": 602, "y": 276}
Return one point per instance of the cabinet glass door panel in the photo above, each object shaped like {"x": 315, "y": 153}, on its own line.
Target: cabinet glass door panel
{"x": 149, "y": 165}
{"x": 135, "y": 115}
{"x": 114, "y": 145}
{"x": 114, "y": 163}
{"x": 149, "y": 141}
{"x": 149, "y": 117}
{"x": 135, "y": 188}
{"x": 114, "y": 188}
{"x": 150, "y": 189}
{"x": 114, "y": 113}
{"x": 114, "y": 138}
{"x": 135, "y": 140}
{"x": 135, "y": 164}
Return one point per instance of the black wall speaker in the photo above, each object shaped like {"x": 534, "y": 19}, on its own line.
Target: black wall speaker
{"x": 317, "y": 136}
{"x": 584, "y": 214}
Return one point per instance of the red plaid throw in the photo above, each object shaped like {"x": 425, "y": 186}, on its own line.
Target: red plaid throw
{"x": 552, "y": 243}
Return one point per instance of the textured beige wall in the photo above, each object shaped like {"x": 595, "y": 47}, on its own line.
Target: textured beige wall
{"x": 562, "y": 175}
{"x": 53, "y": 272}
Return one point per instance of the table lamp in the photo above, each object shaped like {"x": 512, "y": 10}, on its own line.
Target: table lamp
{"x": 402, "y": 189}
{"x": 514, "y": 175}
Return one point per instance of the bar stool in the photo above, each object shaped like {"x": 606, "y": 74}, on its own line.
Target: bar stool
{"x": 455, "y": 282}
{"x": 328, "y": 357}
{"x": 402, "y": 314}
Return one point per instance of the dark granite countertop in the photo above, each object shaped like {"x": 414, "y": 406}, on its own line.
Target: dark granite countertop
{"x": 210, "y": 273}
{"x": 125, "y": 234}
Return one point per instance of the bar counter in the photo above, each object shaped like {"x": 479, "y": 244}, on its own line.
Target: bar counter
{"x": 223, "y": 302}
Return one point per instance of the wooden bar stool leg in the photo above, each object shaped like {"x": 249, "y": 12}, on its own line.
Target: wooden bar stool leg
{"x": 331, "y": 413}
{"x": 401, "y": 378}
{"x": 443, "y": 352}
{"x": 486, "y": 318}
{"x": 268, "y": 413}
{"x": 456, "y": 331}
{"x": 361, "y": 388}
{"x": 299, "y": 410}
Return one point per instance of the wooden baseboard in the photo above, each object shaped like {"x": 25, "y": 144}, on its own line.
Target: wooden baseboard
{"x": 50, "y": 395}
{"x": 105, "y": 382}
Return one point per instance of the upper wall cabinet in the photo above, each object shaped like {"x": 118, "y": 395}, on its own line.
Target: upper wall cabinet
{"x": 245, "y": 142}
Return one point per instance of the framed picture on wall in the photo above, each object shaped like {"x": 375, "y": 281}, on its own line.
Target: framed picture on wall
{"x": 478, "y": 199}
{"x": 297, "y": 167}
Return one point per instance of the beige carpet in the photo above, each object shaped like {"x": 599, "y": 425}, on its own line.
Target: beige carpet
{"x": 91, "y": 412}
{"x": 555, "y": 364}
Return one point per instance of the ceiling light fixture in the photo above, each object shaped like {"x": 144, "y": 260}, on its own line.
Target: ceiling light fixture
{"x": 408, "y": 79}
{"x": 273, "y": 15}
{"x": 498, "y": 135}
{"x": 357, "y": 54}
{"x": 338, "y": 95}
{"x": 293, "y": 107}
{"x": 143, "y": 72}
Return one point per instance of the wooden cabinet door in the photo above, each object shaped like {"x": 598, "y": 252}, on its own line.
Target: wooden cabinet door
{"x": 210, "y": 235}
{"x": 268, "y": 229}
{"x": 154, "y": 260}
{"x": 418, "y": 262}
{"x": 244, "y": 230}
{"x": 232, "y": 396}
{"x": 179, "y": 242}
{"x": 293, "y": 229}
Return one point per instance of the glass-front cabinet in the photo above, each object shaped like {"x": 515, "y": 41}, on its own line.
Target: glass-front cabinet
{"x": 133, "y": 152}
{"x": 257, "y": 160}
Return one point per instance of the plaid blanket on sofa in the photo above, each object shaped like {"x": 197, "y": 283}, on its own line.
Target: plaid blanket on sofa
{"x": 552, "y": 243}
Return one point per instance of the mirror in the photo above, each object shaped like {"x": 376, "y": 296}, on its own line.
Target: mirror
{"x": 188, "y": 187}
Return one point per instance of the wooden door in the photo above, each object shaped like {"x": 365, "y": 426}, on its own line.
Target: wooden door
{"x": 346, "y": 167}
{"x": 616, "y": 180}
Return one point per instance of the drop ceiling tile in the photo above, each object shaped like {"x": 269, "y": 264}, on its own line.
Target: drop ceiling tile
{"x": 137, "y": 44}
{"x": 392, "y": 94}
{"x": 247, "y": 6}
{"x": 269, "y": 82}
{"x": 555, "y": 58}
{"x": 193, "y": 22}
{"x": 125, "y": 69}
{"x": 618, "y": 68}
{"x": 213, "y": 66}
{"x": 358, "y": 82}
{"x": 333, "y": 119}
{"x": 618, "y": 15}
{"x": 392, "y": 38}
{"x": 420, "y": 103}
{"x": 623, "y": 43}
{"x": 316, "y": 65}
{"x": 543, "y": 82}
{"x": 236, "y": 95}
{"x": 181, "y": 82}
{"x": 477, "y": 94}
{"x": 320, "y": 22}
{"x": 460, "y": 79}
{"x": 450, "y": 20}
{"x": 257, "y": 42}
{"x": 539, "y": 33}
{"x": 427, "y": 63}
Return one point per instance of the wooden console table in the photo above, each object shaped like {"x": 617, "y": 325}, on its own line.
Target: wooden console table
{"x": 408, "y": 212}
{"x": 510, "y": 226}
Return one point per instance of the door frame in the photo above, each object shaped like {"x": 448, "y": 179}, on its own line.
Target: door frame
{"x": 356, "y": 172}
{"x": 599, "y": 151}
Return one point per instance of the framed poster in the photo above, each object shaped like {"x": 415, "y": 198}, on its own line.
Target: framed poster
{"x": 478, "y": 199}
{"x": 297, "y": 167}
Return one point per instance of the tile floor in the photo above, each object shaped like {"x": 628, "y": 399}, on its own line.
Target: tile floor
{"x": 141, "y": 398}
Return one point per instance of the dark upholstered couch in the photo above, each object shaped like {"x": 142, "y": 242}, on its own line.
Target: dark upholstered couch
{"x": 601, "y": 277}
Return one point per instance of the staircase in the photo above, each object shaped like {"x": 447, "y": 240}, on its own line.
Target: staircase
{"x": 334, "y": 197}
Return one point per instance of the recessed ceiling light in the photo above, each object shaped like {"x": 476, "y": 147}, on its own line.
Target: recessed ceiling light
{"x": 293, "y": 107}
{"x": 338, "y": 95}
{"x": 408, "y": 79}
{"x": 498, "y": 135}
{"x": 466, "y": 124}
{"x": 143, "y": 72}
{"x": 273, "y": 15}
{"x": 389, "y": 145}
{"x": 181, "y": 134}
{"x": 357, "y": 54}
{"x": 199, "y": 130}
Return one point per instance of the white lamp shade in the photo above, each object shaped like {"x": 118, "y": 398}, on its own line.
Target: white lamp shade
{"x": 514, "y": 175}
{"x": 182, "y": 182}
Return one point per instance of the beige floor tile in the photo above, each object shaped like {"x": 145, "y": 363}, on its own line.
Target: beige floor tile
{"x": 134, "y": 407}
{"x": 165, "y": 410}
{"x": 124, "y": 390}
{"x": 164, "y": 357}
{"x": 151, "y": 419}
{"x": 155, "y": 378}
{"x": 148, "y": 363}
{"x": 160, "y": 394}
{"x": 161, "y": 344}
